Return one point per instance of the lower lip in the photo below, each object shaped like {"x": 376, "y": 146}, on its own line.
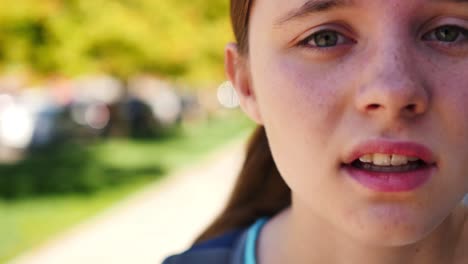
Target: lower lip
{"x": 390, "y": 182}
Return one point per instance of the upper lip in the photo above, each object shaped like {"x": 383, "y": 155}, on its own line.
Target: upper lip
{"x": 404, "y": 148}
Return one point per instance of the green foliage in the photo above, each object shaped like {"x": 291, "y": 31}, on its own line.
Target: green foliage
{"x": 28, "y": 221}
{"x": 180, "y": 38}
{"x": 83, "y": 168}
{"x": 70, "y": 168}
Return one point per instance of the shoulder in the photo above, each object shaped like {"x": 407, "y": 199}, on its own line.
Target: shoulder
{"x": 218, "y": 250}
{"x": 226, "y": 240}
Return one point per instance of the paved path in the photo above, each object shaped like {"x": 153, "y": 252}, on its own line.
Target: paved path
{"x": 161, "y": 220}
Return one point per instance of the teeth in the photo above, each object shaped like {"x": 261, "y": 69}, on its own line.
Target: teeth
{"x": 398, "y": 160}
{"x": 387, "y": 159}
{"x": 366, "y": 158}
{"x": 382, "y": 159}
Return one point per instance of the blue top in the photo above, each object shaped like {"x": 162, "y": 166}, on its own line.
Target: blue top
{"x": 250, "y": 253}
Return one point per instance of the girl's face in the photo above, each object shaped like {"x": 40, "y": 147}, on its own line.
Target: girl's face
{"x": 332, "y": 80}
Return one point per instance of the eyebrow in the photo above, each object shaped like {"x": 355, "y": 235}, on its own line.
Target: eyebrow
{"x": 315, "y": 6}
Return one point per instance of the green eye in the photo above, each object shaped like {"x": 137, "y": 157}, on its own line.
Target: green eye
{"x": 326, "y": 38}
{"x": 447, "y": 33}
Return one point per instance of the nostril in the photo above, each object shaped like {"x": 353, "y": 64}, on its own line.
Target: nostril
{"x": 373, "y": 106}
{"x": 411, "y": 107}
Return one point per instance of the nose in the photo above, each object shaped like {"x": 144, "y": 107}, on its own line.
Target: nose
{"x": 392, "y": 86}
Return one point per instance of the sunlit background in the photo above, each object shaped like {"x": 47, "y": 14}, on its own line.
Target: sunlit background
{"x": 107, "y": 106}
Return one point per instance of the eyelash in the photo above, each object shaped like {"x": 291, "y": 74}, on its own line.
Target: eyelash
{"x": 463, "y": 34}
{"x": 307, "y": 40}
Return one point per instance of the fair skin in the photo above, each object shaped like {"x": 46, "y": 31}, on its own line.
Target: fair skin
{"x": 387, "y": 73}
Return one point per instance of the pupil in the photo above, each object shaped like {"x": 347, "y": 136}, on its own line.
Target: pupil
{"x": 326, "y": 39}
{"x": 447, "y": 34}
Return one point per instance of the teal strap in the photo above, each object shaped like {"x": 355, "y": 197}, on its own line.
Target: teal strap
{"x": 250, "y": 256}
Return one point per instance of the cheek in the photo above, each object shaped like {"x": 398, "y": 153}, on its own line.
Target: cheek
{"x": 301, "y": 106}
{"x": 451, "y": 101}
{"x": 293, "y": 91}
{"x": 450, "y": 108}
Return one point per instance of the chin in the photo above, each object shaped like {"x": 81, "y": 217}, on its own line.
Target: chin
{"x": 393, "y": 227}
{"x": 397, "y": 238}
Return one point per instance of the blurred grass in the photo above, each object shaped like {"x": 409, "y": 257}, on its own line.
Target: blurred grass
{"x": 28, "y": 222}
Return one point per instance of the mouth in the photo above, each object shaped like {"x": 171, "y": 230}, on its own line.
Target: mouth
{"x": 390, "y": 166}
{"x": 388, "y": 163}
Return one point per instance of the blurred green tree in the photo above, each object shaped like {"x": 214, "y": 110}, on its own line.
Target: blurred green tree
{"x": 179, "y": 38}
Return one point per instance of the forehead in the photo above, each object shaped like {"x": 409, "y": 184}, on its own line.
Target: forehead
{"x": 284, "y": 11}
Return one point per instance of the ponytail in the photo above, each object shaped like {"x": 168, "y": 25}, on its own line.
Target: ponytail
{"x": 259, "y": 190}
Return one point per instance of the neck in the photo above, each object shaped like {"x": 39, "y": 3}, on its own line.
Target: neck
{"x": 291, "y": 237}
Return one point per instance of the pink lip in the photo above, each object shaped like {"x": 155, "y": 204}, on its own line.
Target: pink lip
{"x": 391, "y": 182}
